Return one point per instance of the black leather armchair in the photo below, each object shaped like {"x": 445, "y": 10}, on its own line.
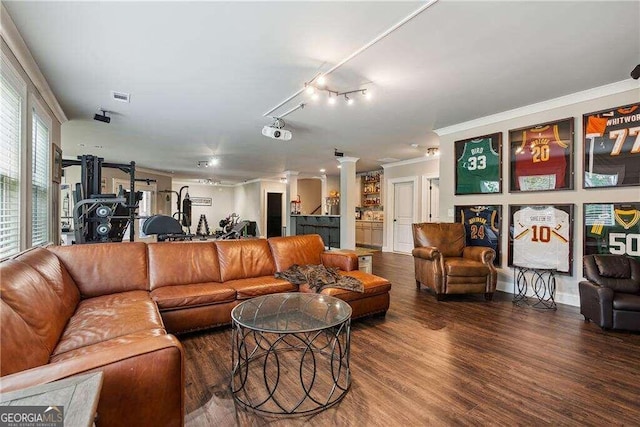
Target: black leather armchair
{"x": 610, "y": 295}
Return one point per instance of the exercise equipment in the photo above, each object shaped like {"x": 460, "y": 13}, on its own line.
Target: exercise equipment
{"x": 165, "y": 227}
{"x": 203, "y": 226}
{"x": 102, "y": 217}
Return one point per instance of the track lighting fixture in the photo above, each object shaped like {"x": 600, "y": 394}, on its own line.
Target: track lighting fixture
{"x": 318, "y": 84}
{"x": 206, "y": 163}
{"x": 432, "y": 151}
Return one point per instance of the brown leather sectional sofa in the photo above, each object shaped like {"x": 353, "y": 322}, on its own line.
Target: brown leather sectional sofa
{"x": 110, "y": 307}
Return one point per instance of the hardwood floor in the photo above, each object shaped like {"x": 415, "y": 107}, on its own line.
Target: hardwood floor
{"x": 463, "y": 361}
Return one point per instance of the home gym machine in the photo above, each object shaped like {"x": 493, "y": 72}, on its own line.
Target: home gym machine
{"x": 101, "y": 217}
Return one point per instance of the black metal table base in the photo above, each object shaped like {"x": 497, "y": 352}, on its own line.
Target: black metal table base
{"x": 290, "y": 374}
{"x": 541, "y": 281}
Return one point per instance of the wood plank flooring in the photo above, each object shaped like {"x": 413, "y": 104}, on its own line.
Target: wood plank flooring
{"x": 463, "y": 361}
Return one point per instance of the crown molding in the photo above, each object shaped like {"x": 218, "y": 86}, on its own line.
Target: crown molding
{"x": 562, "y": 101}
{"x": 409, "y": 161}
{"x": 153, "y": 171}
{"x": 20, "y": 50}
{"x": 347, "y": 159}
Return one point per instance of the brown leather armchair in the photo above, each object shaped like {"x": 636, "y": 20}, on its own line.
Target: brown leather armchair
{"x": 610, "y": 296}
{"x": 444, "y": 264}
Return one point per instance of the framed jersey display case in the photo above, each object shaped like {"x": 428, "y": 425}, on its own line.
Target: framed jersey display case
{"x": 479, "y": 165}
{"x": 482, "y": 225}
{"x": 612, "y": 228}
{"x": 540, "y": 236}
{"x": 542, "y": 157}
{"x": 612, "y": 147}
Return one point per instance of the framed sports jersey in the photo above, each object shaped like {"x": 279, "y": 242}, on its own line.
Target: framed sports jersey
{"x": 479, "y": 165}
{"x": 612, "y": 147}
{"x": 482, "y": 225}
{"x": 542, "y": 157}
{"x": 540, "y": 236}
{"x": 612, "y": 228}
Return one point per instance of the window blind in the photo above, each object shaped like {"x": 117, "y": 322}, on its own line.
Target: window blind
{"x": 10, "y": 129}
{"x": 40, "y": 182}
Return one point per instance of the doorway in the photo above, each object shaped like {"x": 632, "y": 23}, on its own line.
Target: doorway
{"x": 403, "y": 216}
{"x": 274, "y": 214}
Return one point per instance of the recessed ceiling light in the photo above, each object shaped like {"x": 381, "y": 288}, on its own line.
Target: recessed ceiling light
{"x": 339, "y": 166}
{"x": 214, "y": 162}
{"x": 323, "y": 170}
{"x": 415, "y": 145}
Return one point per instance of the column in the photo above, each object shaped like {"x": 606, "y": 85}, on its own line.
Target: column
{"x": 291, "y": 194}
{"x": 323, "y": 193}
{"x": 348, "y": 202}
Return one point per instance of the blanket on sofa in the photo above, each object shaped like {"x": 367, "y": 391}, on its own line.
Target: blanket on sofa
{"x": 319, "y": 277}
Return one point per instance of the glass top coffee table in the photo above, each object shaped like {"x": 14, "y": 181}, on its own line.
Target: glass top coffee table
{"x": 290, "y": 353}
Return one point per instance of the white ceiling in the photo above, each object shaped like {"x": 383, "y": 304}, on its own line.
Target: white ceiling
{"x": 201, "y": 74}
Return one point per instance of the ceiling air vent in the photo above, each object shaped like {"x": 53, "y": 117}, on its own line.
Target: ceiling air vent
{"x": 120, "y": 96}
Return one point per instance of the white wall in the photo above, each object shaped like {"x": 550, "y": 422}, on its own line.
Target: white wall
{"x": 416, "y": 169}
{"x": 247, "y": 199}
{"x": 571, "y": 106}
{"x": 310, "y": 191}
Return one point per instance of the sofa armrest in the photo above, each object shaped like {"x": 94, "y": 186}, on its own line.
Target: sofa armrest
{"x": 479, "y": 253}
{"x": 596, "y": 303}
{"x": 344, "y": 261}
{"x": 429, "y": 253}
{"x": 143, "y": 380}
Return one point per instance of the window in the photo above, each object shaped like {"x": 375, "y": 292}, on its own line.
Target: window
{"x": 10, "y": 137}
{"x": 40, "y": 182}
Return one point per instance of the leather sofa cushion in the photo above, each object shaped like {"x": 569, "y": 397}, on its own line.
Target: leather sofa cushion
{"x": 243, "y": 259}
{"x": 627, "y": 279}
{"x": 107, "y": 268}
{"x": 111, "y": 344}
{"x": 179, "y": 296}
{"x": 183, "y": 263}
{"x": 449, "y": 238}
{"x": 21, "y": 348}
{"x": 256, "y": 286}
{"x": 50, "y": 267}
{"x": 465, "y": 267}
{"x": 627, "y": 302}
{"x": 301, "y": 250}
{"x": 615, "y": 267}
{"x": 107, "y": 317}
{"x": 33, "y": 317}
{"x": 373, "y": 285}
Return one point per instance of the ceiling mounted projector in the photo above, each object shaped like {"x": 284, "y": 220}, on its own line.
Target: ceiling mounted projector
{"x": 276, "y": 133}
{"x": 102, "y": 117}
